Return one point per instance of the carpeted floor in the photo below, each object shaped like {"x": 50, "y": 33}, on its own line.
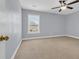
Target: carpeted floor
{"x": 49, "y": 48}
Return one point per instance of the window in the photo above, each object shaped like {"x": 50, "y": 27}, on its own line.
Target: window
{"x": 33, "y": 23}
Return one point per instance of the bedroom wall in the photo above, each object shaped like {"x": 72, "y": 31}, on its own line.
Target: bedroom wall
{"x": 50, "y": 24}
{"x": 73, "y": 24}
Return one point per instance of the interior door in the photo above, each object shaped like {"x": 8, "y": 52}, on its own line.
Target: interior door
{"x": 2, "y": 50}
{"x": 4, "y": 27}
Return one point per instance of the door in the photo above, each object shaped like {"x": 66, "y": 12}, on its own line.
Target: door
{"x": 4, "y": 27}
{"x": 10, "y": 25}
{"x": 2, "y": 50}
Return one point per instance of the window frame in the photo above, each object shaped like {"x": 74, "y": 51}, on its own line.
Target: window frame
{"x": 29, "y": 22}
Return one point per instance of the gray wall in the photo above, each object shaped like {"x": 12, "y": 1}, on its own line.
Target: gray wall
{"x": 13, "y": 11}
{"x": 50, "y": 24}
{"x": 73, "y": 24}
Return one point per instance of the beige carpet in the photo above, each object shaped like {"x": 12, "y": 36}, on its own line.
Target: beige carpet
{"x": 50, "y": 48}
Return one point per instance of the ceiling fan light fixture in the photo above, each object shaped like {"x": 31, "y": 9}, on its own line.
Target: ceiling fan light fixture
{"x": 63, "y": 7}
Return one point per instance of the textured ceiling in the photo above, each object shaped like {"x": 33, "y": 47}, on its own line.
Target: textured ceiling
{"x": 46, "y": 5}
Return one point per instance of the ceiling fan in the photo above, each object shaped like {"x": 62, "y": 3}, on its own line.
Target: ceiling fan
{"x": 64, "y": 5}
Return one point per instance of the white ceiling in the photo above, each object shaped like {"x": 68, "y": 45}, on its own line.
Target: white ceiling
{"x": 46, "y": 5}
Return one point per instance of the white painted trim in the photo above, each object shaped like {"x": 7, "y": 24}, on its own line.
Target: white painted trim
{"x": 73, "y": 36}
{"x": 16, "y": 50}
{"x": 43, "y": 37}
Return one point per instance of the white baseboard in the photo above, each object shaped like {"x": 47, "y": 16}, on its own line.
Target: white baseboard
{"x": 43, "y": 37}
{"x": 73, "y": 36}
{"x": 16, "y": 50}
{"x": 51, "y": 36}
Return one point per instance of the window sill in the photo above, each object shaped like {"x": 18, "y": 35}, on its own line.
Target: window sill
{"x": 33, "y": 32}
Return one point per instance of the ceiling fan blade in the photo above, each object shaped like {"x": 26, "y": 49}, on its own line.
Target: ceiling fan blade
{"x": 69, "y": 7}
{"x": 55, "y": 7}
{"x": 60, "y": 2}
{"x": 60, "y": 10}
{"x": 73, "y": 2}
{"x": 64, "y": 2}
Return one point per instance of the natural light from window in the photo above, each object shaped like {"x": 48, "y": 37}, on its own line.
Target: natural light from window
{"x": 33, "y": 23}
